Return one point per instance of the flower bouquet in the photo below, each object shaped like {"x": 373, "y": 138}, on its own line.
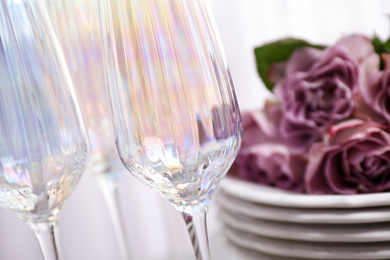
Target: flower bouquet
{"x": 327, "y": 131}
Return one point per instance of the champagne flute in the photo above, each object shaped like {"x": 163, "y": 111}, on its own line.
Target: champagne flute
{"x": 76, "y": 23}
{"x": 175, "y": 114}
{"x": 43, "y": 142}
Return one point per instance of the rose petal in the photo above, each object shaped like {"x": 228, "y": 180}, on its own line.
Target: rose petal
{"x": 365, "y": 111}
{"x": 315, "y": 181}
{"x": 354, "y": 130}
{"x": 369, "y": 65}
{"x": 298, "y": 137}
{"x": 359, "y": 46}
{"x": 270, "y": 164}
{"x": 302, "y": 59}
{"x": 336, "y": 172}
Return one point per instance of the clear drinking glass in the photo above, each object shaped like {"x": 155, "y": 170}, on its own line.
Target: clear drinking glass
{"x": 76, "y": 23}
{"x": 175, "y": 114}
{"x": 43, "y": 142}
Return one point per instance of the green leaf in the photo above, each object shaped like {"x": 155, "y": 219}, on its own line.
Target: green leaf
{"x": 380, "y": 48}
{"x": 277, "y": 52}
{"x": 377, "y": 43}
{"x": 386, "y": 46}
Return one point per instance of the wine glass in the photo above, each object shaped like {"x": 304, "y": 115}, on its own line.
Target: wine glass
{"x": 43, "y": 142}
{"x": 76, "y": 23}
{"x": 175, "y": 114}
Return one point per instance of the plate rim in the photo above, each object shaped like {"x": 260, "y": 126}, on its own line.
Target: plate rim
{"x": 302, "y": 215}
{"x": 321, "y": 233}
{"x": 258, "y": 193}
{"x": 299, "y": 249}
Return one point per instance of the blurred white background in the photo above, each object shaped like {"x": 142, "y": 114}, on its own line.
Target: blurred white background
{"x": 154, "y": 229}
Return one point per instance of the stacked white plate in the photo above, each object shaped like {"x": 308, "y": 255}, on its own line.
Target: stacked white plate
{"x": 267, "y": 223}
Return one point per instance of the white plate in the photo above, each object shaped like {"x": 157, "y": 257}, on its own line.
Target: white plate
{"x": 222, "y": 249}
{"x": 309, "y": 250}
{"x": 313, "y": 232}
{"x": 276, "y": 197}
{"x": 302, "y": 215}
{"x": 241, "y": 253}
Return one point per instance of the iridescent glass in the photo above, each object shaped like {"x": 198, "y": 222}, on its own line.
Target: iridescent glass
{"x": 76, "y": 23}
{"x": 43, "y": 142}
{"x": 175, "y": 114}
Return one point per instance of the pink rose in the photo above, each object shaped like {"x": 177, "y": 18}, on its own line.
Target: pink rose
{"x": 356, "y": 160}
{"x": 317, "y": 89}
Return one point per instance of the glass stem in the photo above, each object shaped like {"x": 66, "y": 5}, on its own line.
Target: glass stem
{"x": 197, "y": 229}
{"x": 46, "y": 233}
{"x": 111, "y": 196}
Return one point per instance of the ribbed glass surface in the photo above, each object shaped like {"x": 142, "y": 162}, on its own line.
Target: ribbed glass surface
{"x": 43, "y": 145}
{"x": 176, "y": 119}
{"x": 76, "y": 23}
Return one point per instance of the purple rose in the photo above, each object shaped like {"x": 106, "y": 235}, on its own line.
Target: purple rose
{"x": 271, "y": 164}
{"x": 356, "y": 160}
{"x": 375, "y": 93}
{"x": 261, "y": 126}
{"x": 317, "y": 89}
{"x": 262, "y": 158}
